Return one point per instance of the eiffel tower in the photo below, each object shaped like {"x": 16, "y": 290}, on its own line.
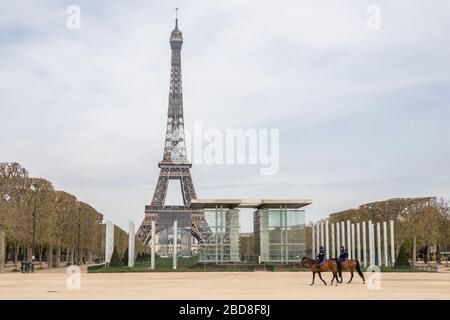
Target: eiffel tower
{"x": 174, "y": 164}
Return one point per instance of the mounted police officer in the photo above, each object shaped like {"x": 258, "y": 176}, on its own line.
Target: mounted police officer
{"x": 320, "y": 257}
{"x": 343, "y": 256}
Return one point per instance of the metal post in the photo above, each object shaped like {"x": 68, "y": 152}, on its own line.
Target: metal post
{"x": 353, "y": 240}
{"x": 152, "y": 248}
{"x": 378, "y": 244}
{"x": 313, "y": 249}
{"x": 358, "y": 242}
{"x": 175, "y": 244}
{"x": 338, "y": 237}
{"x": 327, "y": 241}
{"x": 385, "y": 249}
{"x": 369, "y": 224}
{"x": 333, "y": 250}
{"x": 79, "y": 230}
{"x": 392, "y": 242}
{"x": 34, "y": 232}
{"x": 364, "y": 243}
{"x": 349, "y": 243}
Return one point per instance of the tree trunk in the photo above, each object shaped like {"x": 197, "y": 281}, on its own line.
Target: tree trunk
{"x": 50, "y": 256}
{"x": 40, "y": 256}
{"x": 2, "y": 249}
{"x": 58, "y": 256}
{"x": 438, "y": 254}
{"x": 89, "y": 259}
{"x": 16, "y": 255}
{"x": 29, "y": 255}
{"x": 413, "y": 262}
{"x": 72, "y": 251}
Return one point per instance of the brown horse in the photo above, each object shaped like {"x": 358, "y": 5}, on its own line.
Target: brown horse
{"x": 327, "y": 265}
{"x": 351, "y": 265}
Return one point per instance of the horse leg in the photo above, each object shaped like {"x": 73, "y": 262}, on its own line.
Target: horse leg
{"x": 351, "y": 276}
{"x": 320, "y": 276}
{"x": 335, "y": 276}
{"x": 314, "y": 276}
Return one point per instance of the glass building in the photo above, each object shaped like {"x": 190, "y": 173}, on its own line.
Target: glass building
{"x": 221, "y": 239}
{"x": 279, "y": 234}
{"x": 278, "y": 228}
{"x": 184, "y": 241}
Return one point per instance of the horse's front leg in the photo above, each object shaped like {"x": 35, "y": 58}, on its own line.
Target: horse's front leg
{"x": 351, "y": 276}
{"x": 320, "y": 276}
{"x": 314, "y": 276}
{"x": 335, "y": 276}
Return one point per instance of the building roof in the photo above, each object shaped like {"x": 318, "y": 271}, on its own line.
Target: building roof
{"x": 249, "y": 203}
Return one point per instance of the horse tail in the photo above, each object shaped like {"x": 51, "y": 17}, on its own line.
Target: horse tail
{"x": 358, "y": 268}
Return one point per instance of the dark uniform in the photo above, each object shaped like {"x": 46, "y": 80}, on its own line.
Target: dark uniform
{"x": 342, "y": 258}
{"x": 320, "y": 256}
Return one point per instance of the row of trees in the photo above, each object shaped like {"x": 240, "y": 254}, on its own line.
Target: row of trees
{"x": 421, "y": 221}
{"x": 61, "y": 223}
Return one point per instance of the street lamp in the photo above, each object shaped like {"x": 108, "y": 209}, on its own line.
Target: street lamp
{"x": 79, "y": 227}
{"x": 35, "y": 188}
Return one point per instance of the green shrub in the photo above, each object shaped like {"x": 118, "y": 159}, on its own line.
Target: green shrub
{"x": 115, "y": 259}
{"x": 402, "y": 258}
{"x": 125, "y": 258}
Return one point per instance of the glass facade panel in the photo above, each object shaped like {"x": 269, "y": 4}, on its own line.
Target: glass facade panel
{"x": 280, "y": 234}
{"x": 221, "y": 244}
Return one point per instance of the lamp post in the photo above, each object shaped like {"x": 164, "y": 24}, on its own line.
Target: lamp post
{"x": 34, "y": 187}
{"x": 79, "y": 227}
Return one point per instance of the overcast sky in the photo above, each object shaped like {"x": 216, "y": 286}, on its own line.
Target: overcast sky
{"x": 364, "y": 114}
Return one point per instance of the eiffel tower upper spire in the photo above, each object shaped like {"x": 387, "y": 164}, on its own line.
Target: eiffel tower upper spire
{"x": 175, "y": 148}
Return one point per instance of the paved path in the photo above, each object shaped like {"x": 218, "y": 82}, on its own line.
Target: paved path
{"x": 218, "y": 285}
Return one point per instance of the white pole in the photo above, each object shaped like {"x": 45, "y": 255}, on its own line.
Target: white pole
{"x": 152, "y": 248}
{"x": 353, "y": 241}
{"x": 374, "y": 258}
{"x": 131, "y": 240}
{"x": 332, "y": 241}
{"x": 379, "y": 244}
{"x": 364, "y": 242}
{"x": 338, "y": 237}
{"x": 358, "y": 243}
{"x": 175, "y": 244}
{"x": 392, "y": 242}
{"x": 321, "y": 234}
{"x": 318, "y": 237}
{"x": 343, "y": 233}
{"x": 313, "y": 249}
{"x": 369, "y": 224}
{"x": 386, "y": 261}
{"x": 327, "y": 241}
{"x": 349, "y": 240}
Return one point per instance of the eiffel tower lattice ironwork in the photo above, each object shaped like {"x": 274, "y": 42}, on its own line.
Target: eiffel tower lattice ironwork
{"x": 174, "y": 164}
